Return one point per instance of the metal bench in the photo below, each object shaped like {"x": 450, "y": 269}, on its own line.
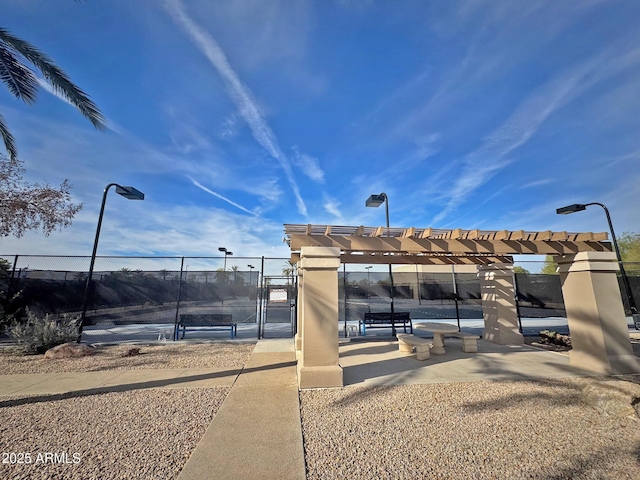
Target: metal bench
{"x": 407, "y": 342}
{"x": 383, "y": 320}
{"x": 219, "y": 321}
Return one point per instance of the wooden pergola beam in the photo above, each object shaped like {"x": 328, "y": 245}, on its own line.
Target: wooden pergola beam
{"x": 423, "y": 259}
{"x": 416, "y": 245}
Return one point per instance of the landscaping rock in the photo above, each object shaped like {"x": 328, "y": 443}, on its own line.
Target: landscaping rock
{"x": 69, "y": 350}
{"x": 131, "y": 352}
{"x": 615, "y": 398}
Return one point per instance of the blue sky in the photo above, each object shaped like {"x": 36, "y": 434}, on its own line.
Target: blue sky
{"x": 236, "y": 117}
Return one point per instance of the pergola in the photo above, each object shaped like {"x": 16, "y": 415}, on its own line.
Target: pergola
{"x": 586, "y": 265}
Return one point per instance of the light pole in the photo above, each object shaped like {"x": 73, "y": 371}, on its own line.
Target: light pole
{"x": 376, "y": 201}
{"x": 129, "y": 193}
{"x": 186, "y": 284}
{"x": 226, "y": 252}
{"x": 368, "y": 269}
{"x": 224, "y": 269}
{"x": 251, "y": 267}
{"x": 578, "y": 207}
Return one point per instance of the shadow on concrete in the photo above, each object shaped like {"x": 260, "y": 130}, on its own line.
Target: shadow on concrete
{"x": 139, "y": 385}
{"x": 384, "y": 364}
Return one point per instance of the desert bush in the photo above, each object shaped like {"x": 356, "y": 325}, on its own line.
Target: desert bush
{"x": 38, "y": 334}
{"x": 555, "y": 338}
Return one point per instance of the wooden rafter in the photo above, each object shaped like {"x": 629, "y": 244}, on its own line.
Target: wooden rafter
{"x": 413, "y": 242}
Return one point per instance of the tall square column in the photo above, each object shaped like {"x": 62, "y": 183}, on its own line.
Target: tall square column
{"x": 595, "y": 313}
{"x": 318, "y": 364}
{"x": 499, "y": 304}
{"x": 300, "y": 309}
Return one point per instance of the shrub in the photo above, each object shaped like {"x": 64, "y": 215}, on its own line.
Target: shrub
{"x": 37, "y": 334}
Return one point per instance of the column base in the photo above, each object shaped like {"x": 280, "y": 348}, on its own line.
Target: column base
{"x": 610, "y": 365}
{"x": 319, "y": 377}
{"x": 501, "y": 337}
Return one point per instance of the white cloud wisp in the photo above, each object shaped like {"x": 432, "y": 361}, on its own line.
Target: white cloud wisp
{"x": 238, "y": 92}
{"x": 217, "y": 195}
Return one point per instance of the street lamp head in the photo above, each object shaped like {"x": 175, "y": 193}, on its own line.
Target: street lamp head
{"x": 375, "y": 200}
{"x": 222, "y": 249}
{"x": 576, "y": 207}
{"x": 130, "y": 193}
{"x": 251, "y": 266}
{"x": 228, "y": 253}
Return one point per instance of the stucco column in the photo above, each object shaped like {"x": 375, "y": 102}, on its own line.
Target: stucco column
{"x": 499, "y": 304}
{"x": 318, "y": 364}
{"x": 597, "y": 323}
{"x": 300, "y": 304}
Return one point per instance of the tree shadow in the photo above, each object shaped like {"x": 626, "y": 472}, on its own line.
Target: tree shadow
{"x": 139, "y": 385}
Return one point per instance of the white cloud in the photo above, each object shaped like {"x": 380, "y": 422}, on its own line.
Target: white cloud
{"x": 332, "y": 206}
{"x": 538, "y": 183}
{"x": 309, "y": 165}
{"x": 481, "y": 165}
{"x": 157, "y": 230}
{"x": 229, "y": 127}
{"x": 238, "y": 92}
{"x": 217, "y": 195}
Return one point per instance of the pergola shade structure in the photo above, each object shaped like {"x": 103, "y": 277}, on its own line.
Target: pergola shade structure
{"x": 437, "y": 246}
{"x": 587, "y": 269}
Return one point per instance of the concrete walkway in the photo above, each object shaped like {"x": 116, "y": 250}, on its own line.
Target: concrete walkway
{"x": 262, "y": 414}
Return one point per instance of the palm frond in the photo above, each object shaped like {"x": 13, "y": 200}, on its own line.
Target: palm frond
{"x": 16, "y": 76}
{"x": 60, "y": 82}
{"x": 9, "y": 142}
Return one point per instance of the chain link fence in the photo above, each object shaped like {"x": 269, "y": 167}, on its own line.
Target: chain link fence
{"x": 142, "y": 298}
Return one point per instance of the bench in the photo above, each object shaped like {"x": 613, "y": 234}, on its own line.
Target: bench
{"x": 407, "y": 342}
{"x": 383, "y": 320}
{"x": 469, "y": 341}
{"x": 208, "y": 320}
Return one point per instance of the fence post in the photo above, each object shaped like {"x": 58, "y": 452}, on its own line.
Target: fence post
{"x": 260, "y": 298}
{"x": 515, "y": 292}
{"x": 13, "y": 274}
{"x": 344, "y": 287}
{"x": 455, "y": 294}
{"x": 175, "y": 326}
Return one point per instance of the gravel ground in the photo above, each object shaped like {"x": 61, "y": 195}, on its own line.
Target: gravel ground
{"x": 507, "y": 430}
{"x": 206, "y": 355}
{"x": 146, "y": 434}
{"x": 139, "y": 434}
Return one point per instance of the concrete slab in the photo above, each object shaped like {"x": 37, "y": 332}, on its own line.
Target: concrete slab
{"x": 278, "y": 368}
{"x": 275, "y": 345}
{"x": 14, "y": 384}
{"x": 56, "y": 383}
{"x": 381, "y": 363}
{"x": 255, "y": 434}
{"x": 65, "y": 382}
{"x": 260, "y": 415}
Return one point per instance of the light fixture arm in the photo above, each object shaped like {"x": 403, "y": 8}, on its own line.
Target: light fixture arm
{"x": 614, "y": 240}
{"x": 127, "y": 192}
{"x": 623, "y": 273}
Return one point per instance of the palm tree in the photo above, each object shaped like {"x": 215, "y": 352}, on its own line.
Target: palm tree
{"x": 237, "y": 278}
{"x": 290, "y": 270}
{"x": 206, "y": 274}
{"x": 21, "y": 81}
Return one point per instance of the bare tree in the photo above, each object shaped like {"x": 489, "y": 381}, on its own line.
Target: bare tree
{"x": 25, "y": 206}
